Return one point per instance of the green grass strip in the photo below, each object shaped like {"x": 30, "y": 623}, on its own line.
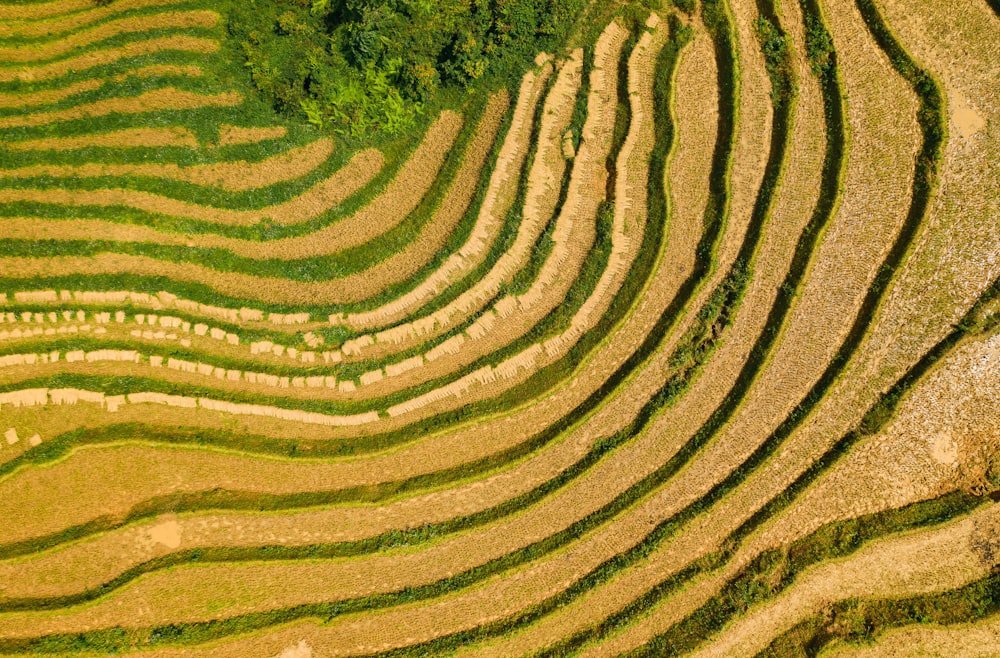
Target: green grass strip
{"x": 861, "y": 621}
{"x": 316, "y": 268}
{"x": 774, "y": 570}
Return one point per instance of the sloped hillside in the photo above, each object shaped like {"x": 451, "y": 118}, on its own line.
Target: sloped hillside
{"x": 687, "y": 342}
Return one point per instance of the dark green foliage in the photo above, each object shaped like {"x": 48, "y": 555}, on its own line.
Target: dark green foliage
{"x": 367, "y": 66}
{"x": 775, "y": 46}
{"x": 819, "y": 44}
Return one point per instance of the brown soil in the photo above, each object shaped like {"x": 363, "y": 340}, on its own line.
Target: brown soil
{"x": 63, "y": 45}
{"x": 106, "y": 56}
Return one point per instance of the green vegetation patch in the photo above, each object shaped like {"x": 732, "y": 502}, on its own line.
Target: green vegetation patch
{"x": 362, "y": 66}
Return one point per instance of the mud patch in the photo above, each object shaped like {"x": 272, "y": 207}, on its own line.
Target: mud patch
{"x": 167, "y": 533}
{"x": 944, "y": 449}
{"x": 967, "y": 121}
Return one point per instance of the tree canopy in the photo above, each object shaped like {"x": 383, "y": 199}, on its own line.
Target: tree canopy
{"x": 359, "y": 67}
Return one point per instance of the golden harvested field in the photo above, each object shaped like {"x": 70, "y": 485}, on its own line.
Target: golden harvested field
{"x": 569, "y": 328}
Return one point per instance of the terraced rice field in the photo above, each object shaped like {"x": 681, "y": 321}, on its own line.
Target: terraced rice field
{"x": 686, "y": 342}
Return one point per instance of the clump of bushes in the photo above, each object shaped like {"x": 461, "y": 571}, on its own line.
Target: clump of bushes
{"x": 363, "y": 67}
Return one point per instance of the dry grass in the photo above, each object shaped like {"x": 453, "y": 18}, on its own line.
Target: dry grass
{"x": 321, "y": 197}
{"x": 974, "y": 640}
{"x": 55, "y": 95}
{"x": 233, "y": 135}
{"x": 914, "y": 563}
{"x": 541, "y": 199}
{"x": 100, "y": 57}
{"x": 35, "y": 26}
{"x": 473, "y": 442}
{"x": 55, "y": 48}
{"x": 234, "y": 176}
{"x": 410, "y": 259}
{"x": 23, "y": 11}
{"x": 94, "y": 58}
{"x": 126, "y": 138}
{"x": 799, "y": 356}
{"x": 49, "y": 95}
{"x": 792, "y": 208}
{"x": 500, "y": 196}
{"x": 150, "y": 101}
{"x": 503, "y": 536}
{"x": 118, "y": 300}
{"x": 936, "y": 442}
